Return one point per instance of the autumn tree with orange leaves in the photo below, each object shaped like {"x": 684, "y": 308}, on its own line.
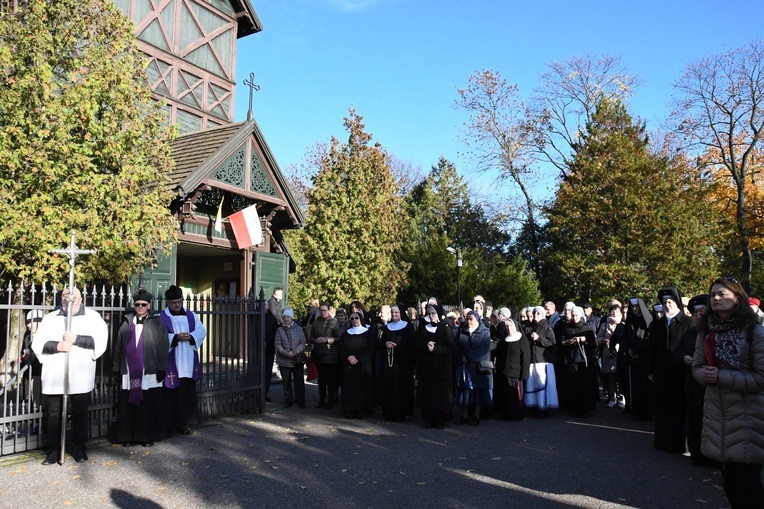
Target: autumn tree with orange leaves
{"x": 718, "y": 111}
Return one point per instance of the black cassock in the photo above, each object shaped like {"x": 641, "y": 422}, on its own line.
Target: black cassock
{"x": 398, "y": 371}
{"x": 358, "y": 379}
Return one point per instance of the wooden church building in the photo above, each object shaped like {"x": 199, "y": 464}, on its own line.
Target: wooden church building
{"x": 192, "y": 67}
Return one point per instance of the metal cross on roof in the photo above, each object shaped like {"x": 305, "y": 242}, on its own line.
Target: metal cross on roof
{"x": 253, "y": 87}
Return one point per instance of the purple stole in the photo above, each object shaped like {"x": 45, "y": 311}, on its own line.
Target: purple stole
{"x": 172, "y": 381}
{"x": 134, "y": 357}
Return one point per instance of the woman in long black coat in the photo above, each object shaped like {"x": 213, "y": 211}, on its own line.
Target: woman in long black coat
{"x": 398, "y": 344}
{"x": 435, "y": 369}
{"x": 356, "y": 358}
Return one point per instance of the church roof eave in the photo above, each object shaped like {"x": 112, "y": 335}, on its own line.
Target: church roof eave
{"x": 248, "y": 21}
{"x": 213, "y": 147}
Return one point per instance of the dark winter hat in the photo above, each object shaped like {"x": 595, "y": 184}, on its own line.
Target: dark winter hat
{"x": 173, "y": 293}
{"x": 143, "y": 295}
{"x": 474, "y": 313}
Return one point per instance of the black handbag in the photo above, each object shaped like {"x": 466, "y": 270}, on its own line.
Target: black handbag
{"x": 301, "y": 358}
{"x": 485, "y": 367}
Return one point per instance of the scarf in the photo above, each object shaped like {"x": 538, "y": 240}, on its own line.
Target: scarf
{"x": 134, "y": 357}
{"x": 722, "y": 344}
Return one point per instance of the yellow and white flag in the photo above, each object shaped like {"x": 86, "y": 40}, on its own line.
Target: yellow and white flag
{"x": 219, "y": 217}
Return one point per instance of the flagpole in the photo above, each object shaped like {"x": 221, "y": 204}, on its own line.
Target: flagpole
{"x": 72, "y": 252}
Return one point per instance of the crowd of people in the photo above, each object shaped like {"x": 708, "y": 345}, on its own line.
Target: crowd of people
{"x": 695, "y": 367}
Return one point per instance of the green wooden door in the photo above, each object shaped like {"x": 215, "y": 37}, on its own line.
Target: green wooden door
{"x": 271, "y": 271}
{"x": 157, "y": 279}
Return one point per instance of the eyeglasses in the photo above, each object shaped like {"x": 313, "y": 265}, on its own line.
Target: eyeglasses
{"x": 354, "y": 318}
{"x": 324, "y": 310}
{"x": 141, "y": 304}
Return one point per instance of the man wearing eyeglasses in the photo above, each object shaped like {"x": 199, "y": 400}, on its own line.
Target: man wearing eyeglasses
{"x": 139, "y": 358}
{"x": 85, "y": 342}
{"x": 186, "y": 333}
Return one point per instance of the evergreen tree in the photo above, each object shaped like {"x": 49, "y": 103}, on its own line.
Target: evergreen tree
{"x": 442, "y": 216}
{"x": 355, "y": 224}
{"x": 625, "y": 221}
{"x": 81, "y": 144}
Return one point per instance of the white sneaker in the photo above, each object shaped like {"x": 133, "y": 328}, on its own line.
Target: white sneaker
{"x": 621, "y": 402}
{"x": 611, "y": 403}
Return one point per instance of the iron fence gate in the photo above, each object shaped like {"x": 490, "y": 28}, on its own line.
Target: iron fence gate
{"x": 230, "y": 358}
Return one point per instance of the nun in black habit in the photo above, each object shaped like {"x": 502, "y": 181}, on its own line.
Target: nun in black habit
{"x": 579, "y": 389}
{"x": 633, "y": 336}
{"x": 667, "y": 372}
{"x": 435, "y": 369}
{"x": 398, "y": 345}
{"x": 356, "y": 358}
{"x": 513, "y": 361}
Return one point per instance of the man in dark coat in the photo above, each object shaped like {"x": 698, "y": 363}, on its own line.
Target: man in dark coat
{"x": 274, "y": 304}
{"x": 139, "y": 358}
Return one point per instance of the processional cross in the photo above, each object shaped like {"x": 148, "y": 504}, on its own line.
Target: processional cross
{"x": 72, "y": 252}
{"x": 253, "y": 87}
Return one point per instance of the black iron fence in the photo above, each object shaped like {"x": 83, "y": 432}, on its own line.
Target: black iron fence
{"x": 230, "y": 357}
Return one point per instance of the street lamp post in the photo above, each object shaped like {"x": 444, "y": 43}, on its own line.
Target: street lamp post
{"x": 457, "y": 252}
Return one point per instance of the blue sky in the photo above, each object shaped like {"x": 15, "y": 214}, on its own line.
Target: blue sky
{"x": 399, "y": 62}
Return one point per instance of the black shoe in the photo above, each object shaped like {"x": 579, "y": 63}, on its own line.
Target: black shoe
{"x": 267, "y": 399}
{"x": 460, "y": 421}
{"x": 51, "y": 458}
{"x": 320, "y": 404}
{"x": 301, "y": 405}
{"x": 474, "y": 421}
{"x": 439, "y": 425}
{"x": 329, "y": 406}
{"x": 287, "y": 405}
{"x": 147, "y": 444}
{"x": 79, "y": 455}
{"x": 128, "y": 444}
{"x": 185, "y": 430}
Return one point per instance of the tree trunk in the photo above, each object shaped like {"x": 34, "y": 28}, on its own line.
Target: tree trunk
{"x": 531, "y": 225}
{"x": 745, "y": 243}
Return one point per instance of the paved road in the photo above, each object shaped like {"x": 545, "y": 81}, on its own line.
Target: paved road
{"x": 294, "y": 458}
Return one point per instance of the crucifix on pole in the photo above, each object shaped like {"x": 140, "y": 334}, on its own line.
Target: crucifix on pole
{"x": 253, "y": 87}
{"x": 72, "y": 252}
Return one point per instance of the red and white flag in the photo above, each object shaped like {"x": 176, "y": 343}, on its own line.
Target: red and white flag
{"x": 246, "y": 227}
